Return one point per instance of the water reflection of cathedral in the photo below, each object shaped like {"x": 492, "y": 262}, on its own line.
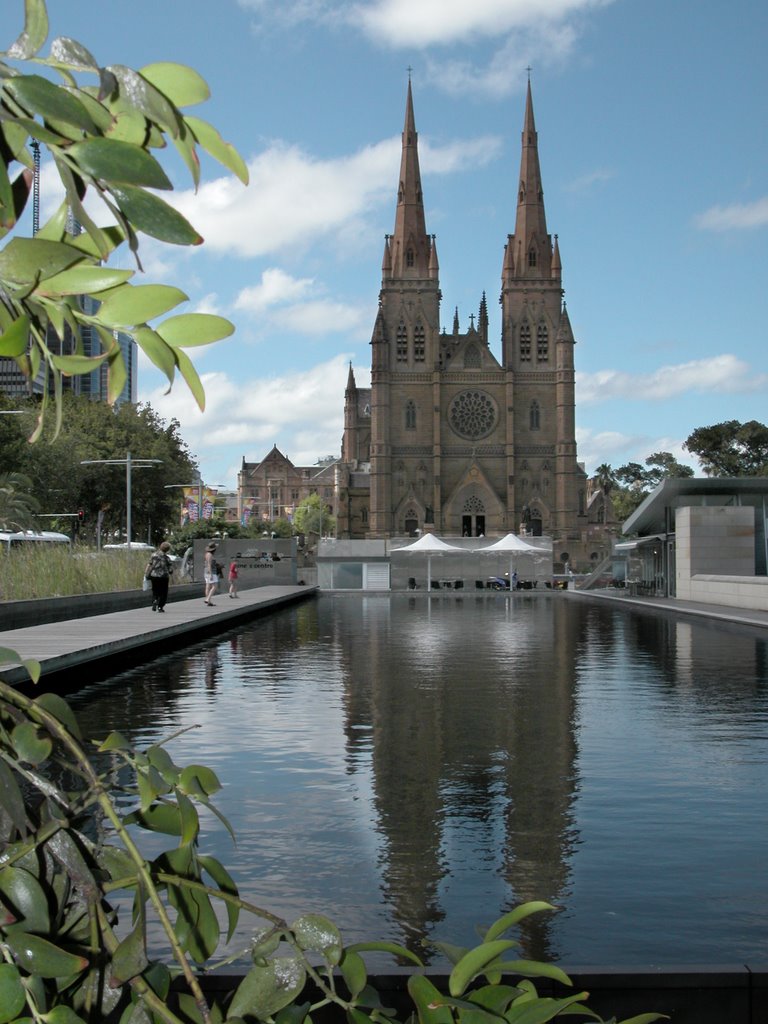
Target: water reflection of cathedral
{"x": 472, "y": 756}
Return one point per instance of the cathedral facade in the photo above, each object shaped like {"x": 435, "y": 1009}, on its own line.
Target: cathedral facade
{"x": 449, "y": 438}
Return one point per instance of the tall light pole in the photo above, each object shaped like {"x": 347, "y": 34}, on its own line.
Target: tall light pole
{"x": 130, "y": 464}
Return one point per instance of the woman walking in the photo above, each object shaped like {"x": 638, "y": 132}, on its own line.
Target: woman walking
{"x": 233, "y": 576}
{"x": 158, "y": 572}
{"x": 210, "y": 574}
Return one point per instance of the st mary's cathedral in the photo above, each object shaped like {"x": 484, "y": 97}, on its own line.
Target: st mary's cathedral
{"x": 449, "y": 438}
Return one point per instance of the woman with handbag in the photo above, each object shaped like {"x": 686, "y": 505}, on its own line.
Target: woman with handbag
{"x": 210, "y": 574}
{"x": 158, "y": 572}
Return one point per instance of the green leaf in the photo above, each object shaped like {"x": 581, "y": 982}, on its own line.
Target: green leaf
{"x": 265, "y": 990}
{"x": 39, "y": 956}
{"x": 139, "y": 93}
{"x": 190, "y": 822}
{"x": 42, "y": 97}
{"x": 12, "y": 995}
{"x": 320, "y": 935}
{"x": 212, "y": 143}
{"x": 190, "y": 375}
{"x": 645, "y": 1018}
{"x": 158, "y": 351}
{"x": 129, "y": 305}
{"x": 153, "y": 216}
{"x": 22, "y": 891}
{"x": 11, "y": 799}
{"x": 71, "y": 366}
{"x": 473, "y": 962}
{"x": 115, "y": 741}
{"x": 354, "y": 973}
{"x": 533, "y": 969}
{"x": 118, "y": 862}
{"x": 385, "y": 947}
{"x": 428, "y": 1000}
{"x": 14, "y": 341}
{"x": 70, "y": 52}
{"x": 198, "y": 779}
{"x": 188, "y": 330}
{"x": 35, "y": 31}
{"x": 182, "y": 85}
{"x": 542, "y": 1009}
{"x": 224, "y": 881}
{"x": 30, "y": 744}
{"x": 130, "y": 957}
{"x": 63, "y": 1015}
{"x": 116, "y": 162}
{"x": 163, "y": 818}
{"x": 514, "y": 917}
{"x": 27, "y": 260}
{"x": 83, "y": 280}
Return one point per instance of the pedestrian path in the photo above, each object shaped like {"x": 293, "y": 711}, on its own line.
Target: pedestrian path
{"x": 68, "y": 647}
{"x": 721, "y": 612}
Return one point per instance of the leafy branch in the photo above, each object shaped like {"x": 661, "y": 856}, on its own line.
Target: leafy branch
{"x": 102, "y": 139}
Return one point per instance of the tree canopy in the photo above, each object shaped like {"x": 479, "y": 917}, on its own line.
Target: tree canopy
{"x": 59, "y": 483}
{"x": 731, "y": 448}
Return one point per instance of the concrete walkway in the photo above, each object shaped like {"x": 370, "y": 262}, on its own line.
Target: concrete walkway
{"x": 80, "y": 647}
{"x": 722, "y": 613}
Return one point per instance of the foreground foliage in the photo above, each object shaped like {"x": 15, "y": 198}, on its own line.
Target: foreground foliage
{"x": 70, "y": 828}
{"x": 101, "y": 135}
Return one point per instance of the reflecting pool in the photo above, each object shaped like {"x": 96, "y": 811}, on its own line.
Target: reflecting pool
{"x": 415, "y": 766}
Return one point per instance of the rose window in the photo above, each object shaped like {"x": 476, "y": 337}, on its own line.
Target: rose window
{"x": 472, "y": 414}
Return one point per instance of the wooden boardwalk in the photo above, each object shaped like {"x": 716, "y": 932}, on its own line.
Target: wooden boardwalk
{"x": 73, "y": 650}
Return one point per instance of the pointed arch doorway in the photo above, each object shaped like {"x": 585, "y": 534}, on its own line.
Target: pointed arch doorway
{"x": 473, "y": 517}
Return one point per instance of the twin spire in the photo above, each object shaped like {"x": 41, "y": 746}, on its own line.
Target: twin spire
{"x": 410, "y": 253}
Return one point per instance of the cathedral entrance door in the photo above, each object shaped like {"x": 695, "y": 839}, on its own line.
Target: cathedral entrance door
{"x": 472, "y": 526}
{"x": 411, "y": 526}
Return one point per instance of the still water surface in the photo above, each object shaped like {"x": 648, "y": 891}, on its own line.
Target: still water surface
{"x": 414, "y": 768}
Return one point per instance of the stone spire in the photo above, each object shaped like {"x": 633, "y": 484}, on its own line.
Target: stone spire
{"x": 482, "y": 320}
{"x": 532, "y": 247}
{"x": 410, "y": 246}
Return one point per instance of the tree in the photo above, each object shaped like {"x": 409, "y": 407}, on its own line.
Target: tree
{"x": 312, "y": 516}
{"x": 605, "y": 479}
{"x": 638, "y": 481}
{"x": 17, "y": 506}
{"x": 91, "y": 431}
{"x": 731, "y": 448}
{"x": 100, "y": 138}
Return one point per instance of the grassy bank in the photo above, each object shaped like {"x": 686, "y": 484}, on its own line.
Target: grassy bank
{"x": 56, "y": 572}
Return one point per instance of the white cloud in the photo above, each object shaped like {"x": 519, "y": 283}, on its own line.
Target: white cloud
{"x": 403, "y": 23}
{"x": 587, "y": 181}
{"x": 302, "y": 412}
{"x": 618, "y": 449}
{"x": 294, "y": 198}
{"x": 737, "y": 217}
{"x": 276, "y": 287}
{"x": 724, "y": 374}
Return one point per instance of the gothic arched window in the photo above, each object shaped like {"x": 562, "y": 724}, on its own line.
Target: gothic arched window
{"x": 525, "y": 342}
{"x": 542, "y": 343}
{"x": 472, "y": 358}
{"x": 409, "y": 258}
{"x": 402, "y": 343}
{"x": 531, "y": 257}
{"x": 535, "y": 415}
{"x": 419, "y": 347}
{"x": 410, "y": 415}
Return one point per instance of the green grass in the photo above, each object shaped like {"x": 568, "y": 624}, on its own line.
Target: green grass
{"x": 57, "y": 572}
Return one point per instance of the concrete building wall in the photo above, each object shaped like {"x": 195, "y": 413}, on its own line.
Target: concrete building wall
{"x": 715, "y": 559}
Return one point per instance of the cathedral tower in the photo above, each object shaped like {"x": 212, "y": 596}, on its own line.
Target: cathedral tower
{"x": 460, "y": 442}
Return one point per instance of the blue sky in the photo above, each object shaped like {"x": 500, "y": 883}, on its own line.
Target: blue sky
{"x": 653, "y": 142}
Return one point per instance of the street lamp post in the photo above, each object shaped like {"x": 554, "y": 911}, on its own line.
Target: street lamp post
{"x": 130, "y": 464}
